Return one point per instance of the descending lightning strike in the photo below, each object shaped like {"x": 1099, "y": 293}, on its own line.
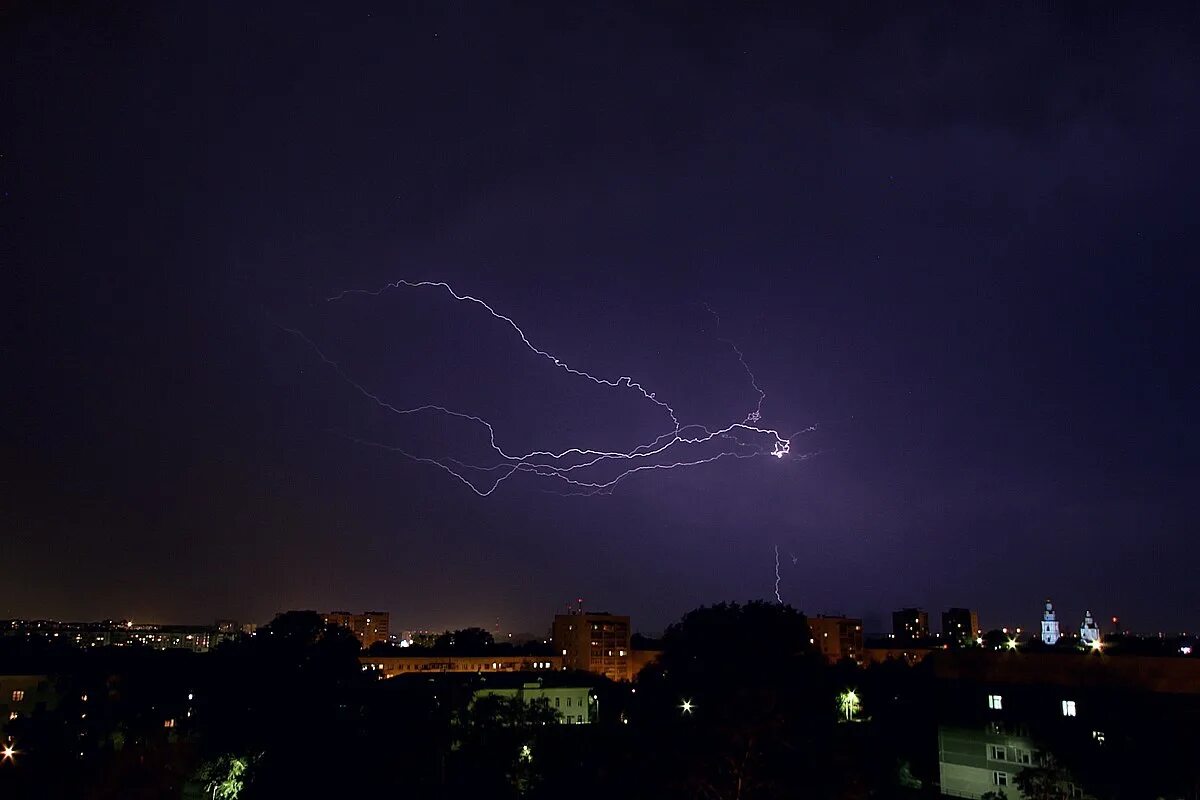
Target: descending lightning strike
{"x": 778, "y": 597}
{"x": 565, "y": 465}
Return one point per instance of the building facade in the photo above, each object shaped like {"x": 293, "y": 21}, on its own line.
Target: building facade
{"x": 24, "y": 696}
{"x": 975, "y": 761}
{"x": 1089, "y": 631}
{"x": 837, "y": 637}
{"x": 960, "y": 625}
{"x": 911, "y": 624}
{"x": 369, "y": 626}
{"x": 575, "y": 705}
{"x": 1000, "y": 713}
{"x": 1050, "y": 631}
{"x": 594, "y": 642}
{"x": 391, "y": 666}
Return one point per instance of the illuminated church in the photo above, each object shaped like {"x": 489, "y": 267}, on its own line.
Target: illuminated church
{"x": 1050, "y": 631}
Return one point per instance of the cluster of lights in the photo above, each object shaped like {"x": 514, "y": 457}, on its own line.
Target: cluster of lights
{"x": 744, "y": 439}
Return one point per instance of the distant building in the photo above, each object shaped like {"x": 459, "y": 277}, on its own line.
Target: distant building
{"x": 391, "y": 666}
{"x": 837, "y": 638}
{"x": 910, "y": 624}
{"x": 369, "y": 626}
{"x": 1050, "y": 632}
{"x": 594, "y": 642}
{"x": 575, "y": 705}
{"x": 960, "y": 625}
{"x": 1089, "y": 631}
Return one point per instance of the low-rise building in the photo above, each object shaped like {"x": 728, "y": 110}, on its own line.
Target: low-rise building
{"x": 393, "y": 665}
{"x": 574, "y": 704}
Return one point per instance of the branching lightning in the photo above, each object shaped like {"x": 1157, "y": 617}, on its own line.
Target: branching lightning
{"x": 580, "y": 469}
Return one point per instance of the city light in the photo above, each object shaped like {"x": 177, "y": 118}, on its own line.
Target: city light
{"x": 8, "y": 753}
{"x": 686, "y": 706}
{"x": 849, "y": 704}
{"x": 1012, "y": 644}
{"x": 1097, "y": 645}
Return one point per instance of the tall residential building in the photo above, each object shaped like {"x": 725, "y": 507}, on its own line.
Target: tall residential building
{"x": 910, "y": 624}
{"x": 1050, "y": 631}
{"x": 594, "y": 642}
{"x": 960, "y": 625}
{"x": 369, "y": 626}
{"x": 837, "y": 638}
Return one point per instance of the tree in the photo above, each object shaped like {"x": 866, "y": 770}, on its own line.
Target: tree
{"x": 225, "y": 777}
{"x": 1046, "y": 781}
{"x": 498, "y": 742}
{"x": 473, "y": 641}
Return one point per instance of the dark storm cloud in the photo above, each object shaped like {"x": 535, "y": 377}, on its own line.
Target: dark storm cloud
{"x": 959, "y": 240}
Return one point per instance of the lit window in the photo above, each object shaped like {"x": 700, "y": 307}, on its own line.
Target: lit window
{"x": 997, "y": 752}
{"x": 168, "y": 723}
{"x": 1068, "y": 708}
{"x": 995, "y": 702}
{"x": 1098, "y": 736}
{"x": 13, "y": 715}
{"x": 1000, "y": 779}
{"x": 18, "y": 695}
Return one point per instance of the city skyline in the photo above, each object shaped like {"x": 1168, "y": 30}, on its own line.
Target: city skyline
{"x": 953, "y": 280}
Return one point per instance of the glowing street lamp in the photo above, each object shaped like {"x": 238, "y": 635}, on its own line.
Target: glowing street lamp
{"x": 686, "y": 706}
{"x": 1012, "y": 644}
{"x": 849, "y": 703}
{"x": 8, "y": 753}
{"x": 1097, "y": 645}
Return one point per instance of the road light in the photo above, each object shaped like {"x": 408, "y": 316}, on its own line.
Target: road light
{"x": 849, "y": 703}
{"x": 686, "y": 706}
{"x": 8, "y": 753}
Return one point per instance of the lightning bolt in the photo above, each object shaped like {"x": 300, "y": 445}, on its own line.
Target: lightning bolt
{"x": 568, "y": 466}
{"x": 778, "y": 597}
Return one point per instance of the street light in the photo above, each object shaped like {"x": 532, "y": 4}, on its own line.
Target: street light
{"x": 849, "y": 703}
{"x": 686, "y": 706}
{"x": 8, "y": 753}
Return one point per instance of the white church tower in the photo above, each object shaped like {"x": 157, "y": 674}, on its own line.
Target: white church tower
{"x": 1049, "y": 624}
{"x": 1089, "y": 631}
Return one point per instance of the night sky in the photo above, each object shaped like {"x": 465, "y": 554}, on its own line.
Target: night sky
{"x": 962, "y": 246}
